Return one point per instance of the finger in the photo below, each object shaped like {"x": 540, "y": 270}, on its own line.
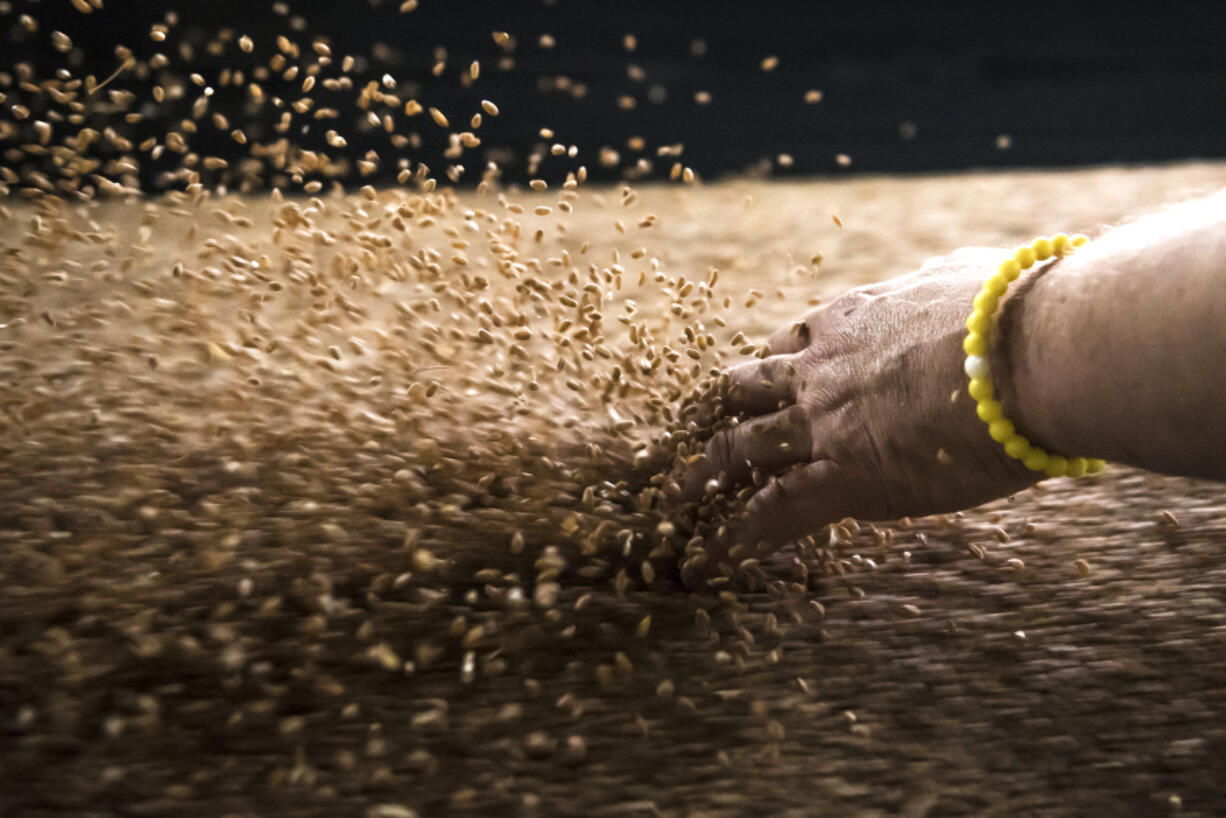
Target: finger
{"x": 761, "y": 386}
{"x": 795, "y": 505}
{"x": 802, "y": 333}
{"x": 771, "y": 443}
{"x": 791, "y": 339}
{"x": 786, "y": 509}
{"x": 755, "y": 387}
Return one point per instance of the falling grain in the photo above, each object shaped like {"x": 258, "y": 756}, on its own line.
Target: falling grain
{"x": 371, "y": 484}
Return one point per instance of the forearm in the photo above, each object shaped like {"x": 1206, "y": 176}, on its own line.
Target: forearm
{"x": 1118, "y": 351}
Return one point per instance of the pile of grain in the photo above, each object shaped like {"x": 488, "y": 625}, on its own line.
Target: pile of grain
{"x": 345, "y": 501}
{"x": 270, "y": 463}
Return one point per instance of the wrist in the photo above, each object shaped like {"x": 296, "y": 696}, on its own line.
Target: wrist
{"x": 1012, "y": 369}
{"x": 1016, "y": 359}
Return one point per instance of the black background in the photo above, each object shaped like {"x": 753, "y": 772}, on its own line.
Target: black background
{"x": 1067, "y": 82}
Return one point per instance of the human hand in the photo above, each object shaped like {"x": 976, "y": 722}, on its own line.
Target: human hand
{"x": 859, "y": 411}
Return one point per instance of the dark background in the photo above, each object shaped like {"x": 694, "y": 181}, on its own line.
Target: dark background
{"x": 907, "y": 85}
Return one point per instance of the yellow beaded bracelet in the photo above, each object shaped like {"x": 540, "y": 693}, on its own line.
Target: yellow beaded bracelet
{"x": 980, "y": 326}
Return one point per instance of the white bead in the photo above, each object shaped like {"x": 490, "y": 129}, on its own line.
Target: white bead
{"x": 977, "y": 366}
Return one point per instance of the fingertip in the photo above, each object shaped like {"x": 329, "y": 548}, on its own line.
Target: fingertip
{"x": 708, "y": 568}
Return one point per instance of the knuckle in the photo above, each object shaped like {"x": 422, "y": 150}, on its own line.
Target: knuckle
{"x": 795, "y": 418}
{"x": 742, "y": 374}
{"x": 846, "y": 301}
{"x": 792, "y": 338}
{"x": 774, "y": 502}
{"x": 787, "y": 493}
{"x": 738, "y": 383}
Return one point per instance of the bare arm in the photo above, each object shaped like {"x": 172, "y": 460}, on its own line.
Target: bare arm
{"x": 1117, "y": 351}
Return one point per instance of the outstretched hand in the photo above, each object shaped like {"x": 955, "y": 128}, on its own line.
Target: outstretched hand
{"x": 859, "y": 411}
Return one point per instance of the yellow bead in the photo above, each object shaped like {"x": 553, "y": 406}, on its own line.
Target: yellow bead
{"x": 980, "y": 389}
{"x": 996, "y": 284}
{"x": 1094, "y": 465}
{"x": 1056, "y": 466}
{"x": 1024, "y": 256}
{"x": 988, "y": 410}
{"x": 979, "y": 322}
{"x": 1017, "y": 447}
{"x": 1059, "y": 244}
{"x": 986, "y": 301}
{"x": 1010, "y": 269}
{"x": 975, "y": 344}
{"x": 1042, "y": 248}
{"x": 1000, "y": 430}
{"x": 1036, "y": 459}
{"x": 1079, "y": 240}
{"x": 1076, "y": 466}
